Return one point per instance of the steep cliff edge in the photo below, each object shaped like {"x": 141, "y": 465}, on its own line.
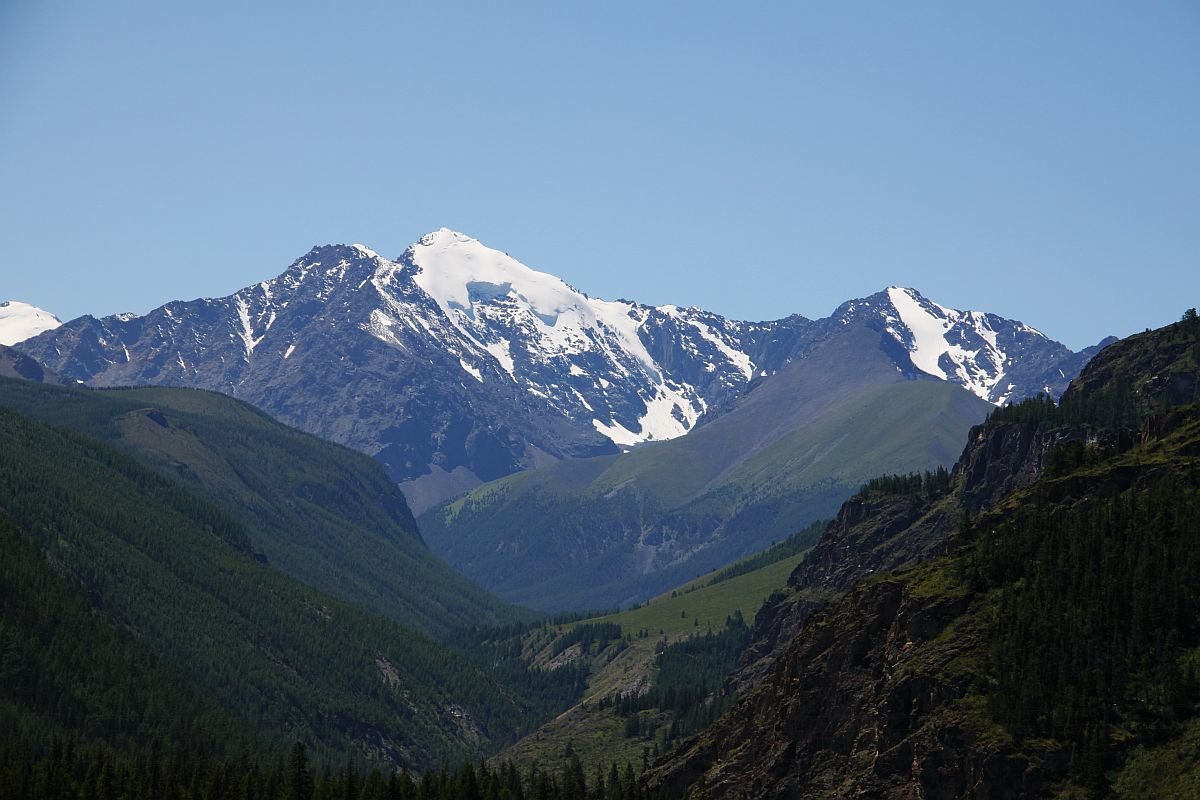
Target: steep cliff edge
{"x": 880, "y": 530}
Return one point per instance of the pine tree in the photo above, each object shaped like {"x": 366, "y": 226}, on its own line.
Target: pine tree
{"x": 300, "y": 778}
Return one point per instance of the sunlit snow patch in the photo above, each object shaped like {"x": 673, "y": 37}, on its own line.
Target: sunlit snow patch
{"x": 929, "y": 325}
{"x": 472, "y": 371}
{"x": 20, "y": 321}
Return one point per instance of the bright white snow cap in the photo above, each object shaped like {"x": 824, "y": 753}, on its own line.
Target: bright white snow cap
{"x": 20, "y": 321}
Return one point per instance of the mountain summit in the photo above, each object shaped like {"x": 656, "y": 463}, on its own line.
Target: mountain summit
{"x": 19, "y": 321}
{"x": 994, "y": 358}
{"x": 455, "y": 363}
{"x": 531, "y": 328}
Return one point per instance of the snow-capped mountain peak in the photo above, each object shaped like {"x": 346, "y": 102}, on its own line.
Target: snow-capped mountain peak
{"x": 550, "y": 338}
{"x": 927, "y": 324}
{"x": 460, "y": 272}
{"x": 971, "y": 348}
{"x": 20, "y": 321}
{"x": 365, "y": 251}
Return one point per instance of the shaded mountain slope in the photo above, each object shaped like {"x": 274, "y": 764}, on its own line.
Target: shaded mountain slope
{"x": 318, "y": 511}
{"x": 600, "y": 532}
{"x": 69, "y": 674}
{"x": 178, "y": 577}
{"x": 15, "y": 364}
{"x": 1050, "y": 651}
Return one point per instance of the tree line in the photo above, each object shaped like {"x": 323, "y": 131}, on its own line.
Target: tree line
{"x": 66, "y": 771}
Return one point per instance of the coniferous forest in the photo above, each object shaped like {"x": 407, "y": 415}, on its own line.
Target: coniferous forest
{"x": 64, "y": 772}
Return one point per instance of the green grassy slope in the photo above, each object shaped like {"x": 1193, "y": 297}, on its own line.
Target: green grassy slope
{"x": 596, "y": 732}
{"x": 697, "y": 606}
{"x": 318, "y": 511}
{"x": 177, "y": 576}
{"x": 623, "y": 528}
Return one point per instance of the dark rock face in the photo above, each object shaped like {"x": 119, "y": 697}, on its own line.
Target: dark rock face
{"x": 1001, "y": 458}
{"x": 843, "y": 714}
{"x": 875, "y": 533}
{"x": 15, "y": 364}
{"x": 871, "y": 533}
{"x": 450, "y": 376}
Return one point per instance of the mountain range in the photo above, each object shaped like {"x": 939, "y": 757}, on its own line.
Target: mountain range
{"x": 456, "y": 364}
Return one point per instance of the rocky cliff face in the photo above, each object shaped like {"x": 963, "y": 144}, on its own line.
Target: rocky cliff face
{"x": 865, "y": 703}
{"x": 876, "y": 532}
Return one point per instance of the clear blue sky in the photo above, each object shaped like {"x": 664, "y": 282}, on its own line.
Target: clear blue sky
{"x": 1040, "y": 160}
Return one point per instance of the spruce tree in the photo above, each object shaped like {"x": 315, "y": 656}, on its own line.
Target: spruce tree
{"x": 300, "y": 778}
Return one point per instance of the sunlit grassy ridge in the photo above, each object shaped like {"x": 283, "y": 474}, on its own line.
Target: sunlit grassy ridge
{"x": 695, "y": 606}
{"x": 598, "y": 736}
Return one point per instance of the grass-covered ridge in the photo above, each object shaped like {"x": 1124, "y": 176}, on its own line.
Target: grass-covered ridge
{"x": 651, "y": 671}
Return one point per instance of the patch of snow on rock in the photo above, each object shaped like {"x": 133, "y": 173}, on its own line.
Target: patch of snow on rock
{"x": 472, "y": 371}
{"x": 928, "y": 332}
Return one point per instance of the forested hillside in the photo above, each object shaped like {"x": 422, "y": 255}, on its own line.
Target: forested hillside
{"x": 317, "y": 511}
{"x": 147, "y": 586}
